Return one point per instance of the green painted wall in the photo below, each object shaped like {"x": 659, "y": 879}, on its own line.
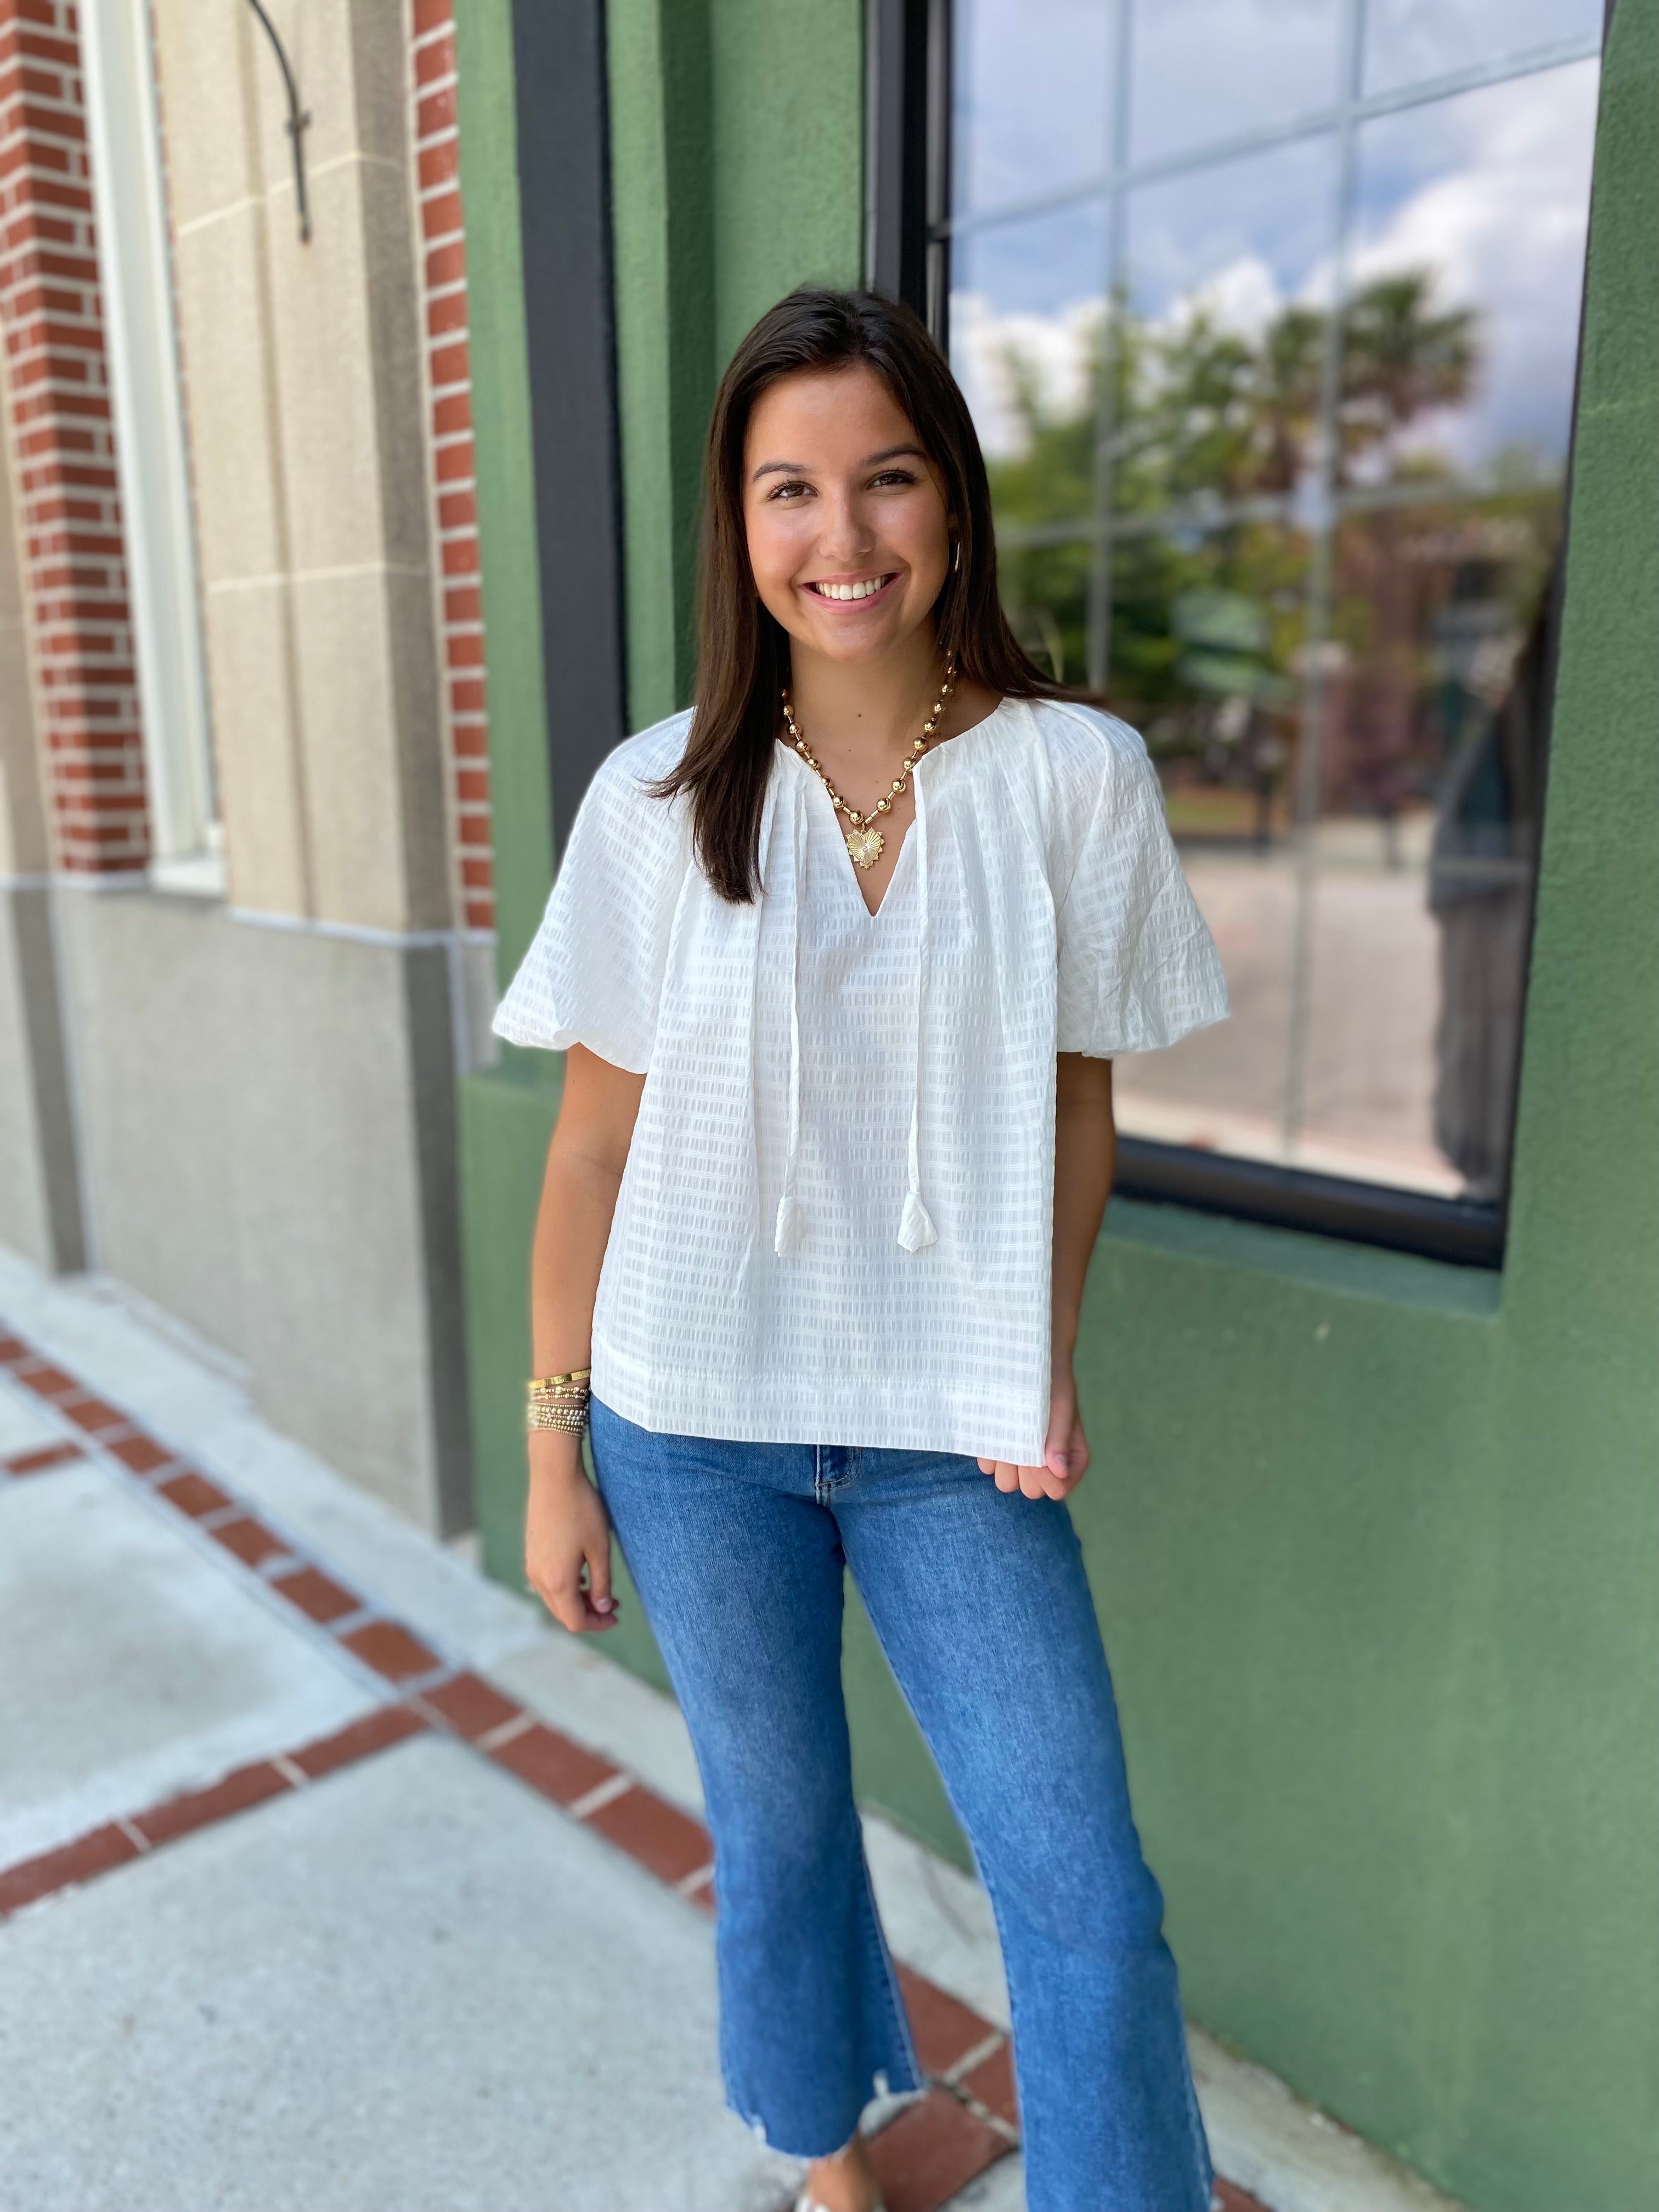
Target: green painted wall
{"x": 736, "y": 158}
{"x": 1375, "y": 1540}
{"x": 522, "y": 801}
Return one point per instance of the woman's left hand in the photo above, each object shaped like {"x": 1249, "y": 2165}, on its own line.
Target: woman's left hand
{"x": 1065, "y": 1453}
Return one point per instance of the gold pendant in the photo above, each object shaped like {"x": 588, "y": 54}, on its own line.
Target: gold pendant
{"x": 864, "y": 846}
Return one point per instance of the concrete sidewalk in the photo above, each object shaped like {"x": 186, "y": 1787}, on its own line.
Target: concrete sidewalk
{"x": 334, "y": 1878}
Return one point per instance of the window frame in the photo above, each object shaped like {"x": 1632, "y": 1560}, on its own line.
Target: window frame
{"x": 909, "y": 227}
{"x": 135, "y": 261}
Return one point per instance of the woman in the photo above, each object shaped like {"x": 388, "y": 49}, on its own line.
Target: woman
{"x": 840, "y": 960}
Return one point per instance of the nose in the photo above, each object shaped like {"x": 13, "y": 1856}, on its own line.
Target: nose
{"x": 845, "y": 535}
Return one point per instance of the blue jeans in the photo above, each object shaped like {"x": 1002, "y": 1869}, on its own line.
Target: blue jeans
{"x": 983, "y": 1610}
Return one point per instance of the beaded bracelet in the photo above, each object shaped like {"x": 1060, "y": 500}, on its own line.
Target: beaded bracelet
{"x": 558, "y": 1401}
{"x": 571, "y": 1417}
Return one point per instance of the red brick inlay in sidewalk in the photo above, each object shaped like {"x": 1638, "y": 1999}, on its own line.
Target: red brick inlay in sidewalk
{"x": 44, "y": 1380}
{"x": 991, "y": 2083}
{"x": 250, "y": 1539}
{"x": 376, "y": 1731}
{"x": 933, "y": 2148}
{"x": 92, "y": 1854}
{"x": 316, "y": 1594}
{"x": 199, "y": 1809}
{"x": 667, "y": 1842}
{"x": 141, "y": 1454}
{"x": 37, "y": 1463}
{"x": 193, "y": 1494}
{"x": 113, "y": 1845}
{"x": 391, "y": 1650}
{"x": 551, "y": 1764}
{"x": 92, "y": 1414}
{"x": 470, "y": 1706}
{"x": 943, "y": 2029}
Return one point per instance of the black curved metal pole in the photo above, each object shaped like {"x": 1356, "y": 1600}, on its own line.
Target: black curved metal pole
{"x": 297, "y": 119}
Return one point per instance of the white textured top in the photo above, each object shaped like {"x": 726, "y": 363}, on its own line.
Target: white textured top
{"x": 837, "y": 1220}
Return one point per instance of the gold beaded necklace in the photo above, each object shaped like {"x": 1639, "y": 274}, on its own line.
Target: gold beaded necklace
{"x": 864, "y": 841}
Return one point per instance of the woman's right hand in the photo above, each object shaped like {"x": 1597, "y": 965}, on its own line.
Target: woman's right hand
{"x": 566, "y": 1529}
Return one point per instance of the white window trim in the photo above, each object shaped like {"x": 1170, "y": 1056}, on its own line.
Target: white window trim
{"x": 129, "y": 201}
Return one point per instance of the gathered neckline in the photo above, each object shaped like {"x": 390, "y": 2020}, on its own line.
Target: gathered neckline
{"x": 937, "y": 752}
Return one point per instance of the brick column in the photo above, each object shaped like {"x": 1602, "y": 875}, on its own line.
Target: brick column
{"x": 73, "y": 553}
{"x": 437, "y": 147}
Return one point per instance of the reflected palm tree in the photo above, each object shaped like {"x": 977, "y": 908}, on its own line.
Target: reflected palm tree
{"x": 1401, "y": 360}
{"x": 1202, "y": 417}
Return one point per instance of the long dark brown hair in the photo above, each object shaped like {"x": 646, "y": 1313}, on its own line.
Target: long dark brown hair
{"x": 743, "y": 651}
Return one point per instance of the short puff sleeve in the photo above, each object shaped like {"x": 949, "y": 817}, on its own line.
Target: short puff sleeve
{"x": 594, "y": 973}
{"x": 1137, "y": 967}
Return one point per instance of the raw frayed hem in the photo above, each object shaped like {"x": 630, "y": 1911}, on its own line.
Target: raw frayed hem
{"x": 880, "y": 2086}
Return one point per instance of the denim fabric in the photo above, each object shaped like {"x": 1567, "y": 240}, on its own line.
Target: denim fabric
{"x": 982, "y": 1607}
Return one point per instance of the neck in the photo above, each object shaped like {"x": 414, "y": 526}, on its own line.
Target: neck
{"x": 867, "y": 709}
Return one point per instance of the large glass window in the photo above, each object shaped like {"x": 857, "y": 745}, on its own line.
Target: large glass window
{"x": 1268, "y": 311}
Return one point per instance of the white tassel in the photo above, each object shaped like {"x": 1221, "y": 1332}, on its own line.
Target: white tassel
{"x": 787, "y": 1239}
{"x": 916, "y": 1229}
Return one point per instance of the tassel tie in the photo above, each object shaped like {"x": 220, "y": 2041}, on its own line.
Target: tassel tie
{"x": 787, "y": 1236}
{"x": 915, "y": 1224}
{"x": 915, "y": 1229}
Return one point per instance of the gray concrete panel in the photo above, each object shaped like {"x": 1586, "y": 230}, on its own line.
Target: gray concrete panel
{"x": 135, "y": 1666}
{"x": 39, "y": 1177}
{"x": 414, "y": 1986}
{"x": 266, "y": 1116}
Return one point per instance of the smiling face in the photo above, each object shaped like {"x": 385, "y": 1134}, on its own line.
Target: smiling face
{"x": 849, "y": 535}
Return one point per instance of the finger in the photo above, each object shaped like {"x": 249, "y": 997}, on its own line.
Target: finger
{"x": 567, "y": 1601}
{"x": 988, "y": 1466}
{"x": 598, "y": 1578}
{"x": 1007, "y": 1474}
{"x": 1031, "y": 1481}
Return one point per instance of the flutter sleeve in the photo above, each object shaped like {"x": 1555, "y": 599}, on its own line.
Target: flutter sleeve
{"x": 1137, "y": 967}
{"x": 594, "y": 973}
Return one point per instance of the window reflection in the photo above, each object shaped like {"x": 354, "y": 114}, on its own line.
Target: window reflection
{"x": 1407, "y": 41}
{"x": 1207, "y": 69}
{"x": 1027, "y": 306}
{"x": 1223, "y": 329}
{"x": 1278, "y": 448}
{"x": 1032, "y": 98}
{"x": 1469, "y": 233}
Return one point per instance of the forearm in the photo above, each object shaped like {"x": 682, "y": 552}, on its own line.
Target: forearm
{"x": 1085, "y": 1149}
{"x": 573, "y": 1227}
{"x": 585, "y": 1165}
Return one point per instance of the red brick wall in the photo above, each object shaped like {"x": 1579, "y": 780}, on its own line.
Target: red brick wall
{"x": 437, "y": 146}
{"x": 70, "y": 509}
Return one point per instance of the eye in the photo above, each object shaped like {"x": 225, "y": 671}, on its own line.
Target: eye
{"x": 894, "y": 477}
{"x": 787, "y": 489}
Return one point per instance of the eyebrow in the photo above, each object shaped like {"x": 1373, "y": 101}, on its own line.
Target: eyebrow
{"x": 869, "y": 461}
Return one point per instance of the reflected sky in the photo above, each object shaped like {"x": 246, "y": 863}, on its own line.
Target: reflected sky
{"x": 1488, "y": 191}
{"x": 1035, "y": 286}
{"x": 1406, "y": 41}
{"x": 1031, "y": 109}
{"x": 1491, "y": 192}
{"x": 1204, "y": 69}
{"x": 1241, "y": 240}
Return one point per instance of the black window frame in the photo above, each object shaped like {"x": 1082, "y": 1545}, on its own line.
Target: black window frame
{"x": 907, "y": 70}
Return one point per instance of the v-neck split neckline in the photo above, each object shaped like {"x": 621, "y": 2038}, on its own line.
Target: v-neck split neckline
{"x": 873, "y": 913}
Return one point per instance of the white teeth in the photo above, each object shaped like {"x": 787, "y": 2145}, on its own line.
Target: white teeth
{"x": 862, "y": 590}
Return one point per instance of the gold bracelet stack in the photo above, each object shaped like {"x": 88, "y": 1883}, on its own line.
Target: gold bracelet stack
{"x": 558, "y": 1401}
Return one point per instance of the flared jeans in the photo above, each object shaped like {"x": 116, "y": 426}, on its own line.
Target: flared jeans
{"x": 982, "y": 1607}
